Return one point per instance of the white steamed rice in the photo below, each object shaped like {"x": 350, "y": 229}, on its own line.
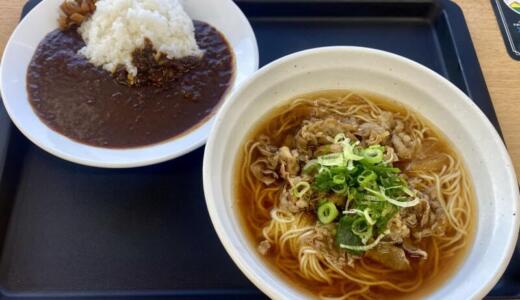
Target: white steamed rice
{"x": 118, "y": 27}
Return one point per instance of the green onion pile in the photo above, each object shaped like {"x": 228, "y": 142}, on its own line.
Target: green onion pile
{"x": 373, "y": 189}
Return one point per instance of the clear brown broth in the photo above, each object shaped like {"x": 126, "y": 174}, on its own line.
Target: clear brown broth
{"x": 448, "y": 267}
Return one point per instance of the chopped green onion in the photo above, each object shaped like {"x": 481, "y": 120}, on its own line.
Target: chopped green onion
{"x": 382, "y": 196}
{"x": 365, "y": 247}
{"x": 331, "y": 160}
{"x": 322, "y": 201}
{"x": 354, "y": 194}
{"x": 359, "y": 226}
{"x": 367, "y": 178}
{"x": 369, "y": 219}
{"x": 338, "y": 179}
{"x": 408, "y": 191}
{"x": 372, "y": 198}
{"x": 311, "y": 166}
{"x": 348, "y": 151}
{"x": 353, "y": 211}
{"x": 327, "y": 212}
{"x": 323, "y": 170}
{"x": 393, "y": 187}
{"x": 350, "y": 165}
{"x": 411, "y": 203}
{"x": 345, "y": 158}
{"x": 342, "y": 191}
{"x": 385, "y": 170}
{"x": 362, "y": 229}
{"x": 374, "y": 191}
{"x": 299, "y": 189}
{"x": 373, "y": 154}
{"x": 364, "y": 213}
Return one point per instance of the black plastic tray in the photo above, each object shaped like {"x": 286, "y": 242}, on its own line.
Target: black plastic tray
{"x": 73, "y": 231}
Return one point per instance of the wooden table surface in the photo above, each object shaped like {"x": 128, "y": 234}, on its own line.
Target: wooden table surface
{"x": 502, "y": 73}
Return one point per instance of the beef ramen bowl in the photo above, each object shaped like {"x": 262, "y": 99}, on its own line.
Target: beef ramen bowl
{"x": 124, "y": 83}
{"x": 352, "y": 173}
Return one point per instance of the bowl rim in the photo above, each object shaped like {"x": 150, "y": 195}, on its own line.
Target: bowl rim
{"x": 210, "y": 195}
{"x": 144, "y": 160}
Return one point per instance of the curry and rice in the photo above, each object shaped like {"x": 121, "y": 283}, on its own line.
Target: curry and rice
{"x": 128, "y": 73}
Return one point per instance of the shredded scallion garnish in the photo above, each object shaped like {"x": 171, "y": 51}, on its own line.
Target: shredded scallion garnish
{"x": 374, "y": 191}
{"x": 299, "y": 189}
{"x": 327, "y": 212}
{"x": 364, "y": 247}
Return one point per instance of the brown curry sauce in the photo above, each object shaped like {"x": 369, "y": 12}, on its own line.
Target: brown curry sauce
{"x": 87, "y": 104}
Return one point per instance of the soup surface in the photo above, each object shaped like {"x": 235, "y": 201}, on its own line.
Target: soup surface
{"x": 87, "y": 104}
{"x": 354, "y": 196}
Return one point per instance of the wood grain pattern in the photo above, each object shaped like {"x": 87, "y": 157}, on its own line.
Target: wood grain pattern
{"x": 502, "y": 73}
{"x": 10, "y": 11}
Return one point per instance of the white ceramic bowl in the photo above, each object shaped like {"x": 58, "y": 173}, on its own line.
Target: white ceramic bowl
{"x": 222, "y": 14}
{"x": 397, "y": 78}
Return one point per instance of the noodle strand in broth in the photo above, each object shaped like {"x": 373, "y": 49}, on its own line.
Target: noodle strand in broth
{"x": 437, "y": 231}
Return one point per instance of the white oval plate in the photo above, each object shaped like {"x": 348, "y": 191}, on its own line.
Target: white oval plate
{"x": 400, "y": 79}
{"x": 222, "y": 14}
